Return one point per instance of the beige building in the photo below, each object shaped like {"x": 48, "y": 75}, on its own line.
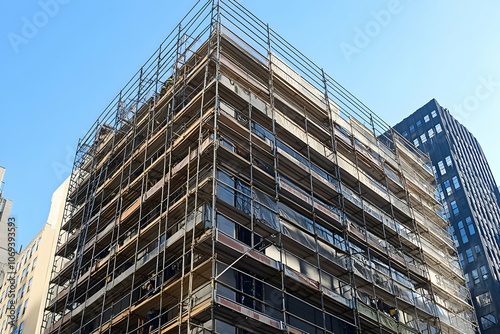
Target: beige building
{"x": 22, "y": 312}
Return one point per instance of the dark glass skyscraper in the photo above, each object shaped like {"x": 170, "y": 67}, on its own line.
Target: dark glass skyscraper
{"x": 470, "y": 196}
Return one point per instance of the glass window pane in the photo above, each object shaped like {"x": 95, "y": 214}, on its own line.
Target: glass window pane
{"x": 225, "y": 225}
{"x": 477, "y": 249}
{"x": 447, "y": 186}
{"x": 484, "y": 299}
{"x": 484, "y": 272}
{"x": 441, "y": 167}
{"x": 467, "y": 280}
{"x": 472, "y": 231}
{"x": 488, "y": 321}
{"x": 470, "y": 257}
{"x": 461, "y": 256}
{"x": 475, "y": 276}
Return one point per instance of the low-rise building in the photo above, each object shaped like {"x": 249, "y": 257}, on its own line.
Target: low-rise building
{"x": 22, "y": 294}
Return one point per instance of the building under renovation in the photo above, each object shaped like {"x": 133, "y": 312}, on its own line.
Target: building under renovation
{"x": 234, "y": 187}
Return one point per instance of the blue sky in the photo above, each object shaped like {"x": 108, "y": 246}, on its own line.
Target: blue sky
{"x": 57, "y": 77}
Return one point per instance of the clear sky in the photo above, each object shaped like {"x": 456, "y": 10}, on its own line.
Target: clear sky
{"x": 63, "y": 61}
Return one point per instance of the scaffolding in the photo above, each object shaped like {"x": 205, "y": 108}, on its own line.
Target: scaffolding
{"x": 232, "y": 185}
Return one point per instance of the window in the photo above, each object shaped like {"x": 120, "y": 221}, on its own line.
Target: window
{"x": 456, "y": 183}
{"x": 18, "y": 311}
{"x": 29, "y": 283}
{"x": 21, "y": 326}
{"x": 441, "y": 168}
{"x": 484, "y": 272}
{"x": 454, "y": 237}
{"x": 472, "y": 231}
{"x": 433, "y": 113}
{"x": 423, "y": 138}
{"x": 25, "y": 306}
{"x": 225, "y": 225}
{"x": 475, "y": 276}
{"x": 435, "y": 172}
{"x": 454, "y": 207}
{"x": 463, "y": 234}
{"x": 431, "y": 133}
{"x": 446, "y": 210}
{"x": 484, "y": 299}
{"x": 34, "y": 263}
{"x": 415, "y": 142}
{"x": 3, "y": 295}
{"x": 426, "y": 118}
{"x": 412, "y": 128}
{"x": 27, "y": 269}
{"x": 461, "y": 256}
{"x": 405, "y": 133}
{"x": 467, "y": 280}
{"x": 448, "y": 160}
{"x": 38, "y": 243}
{"x": 447, "y": 186}
{"x": 477, "y": 249}
{"x": 470, "y": 257}
{"x": 488, "y": 321}
{"x": 438, "y": 128}
{"x": 21, "y": 291}
{"x": 441, "y": 191}
{"x": 419, "y": 123}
